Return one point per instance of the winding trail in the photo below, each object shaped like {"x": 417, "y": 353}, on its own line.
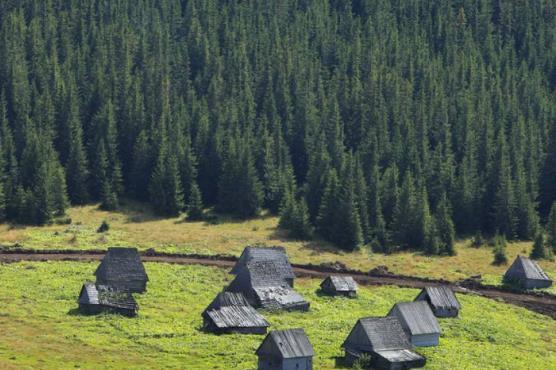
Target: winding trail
{"x": 538, "y": 302}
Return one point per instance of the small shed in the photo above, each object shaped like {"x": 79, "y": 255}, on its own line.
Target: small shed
{"x": 231, "y": 313}
{"x": 384, "y": 341}
{"x": 264, "y": 287}
{"x": 95, "y": 299}
{"x": 122, "y": 268}
{"x": 286, "y": 350}
{"x": 527, "y": 274}
{"x": 339, "y": 285}
{"x": 441, "y": 299}
{"x": 273, "y": 255}
{"x": 418, "y": 322}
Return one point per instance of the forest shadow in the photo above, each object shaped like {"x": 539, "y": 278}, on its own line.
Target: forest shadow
{"x": 314, "y": 247}
{"x": 137, "y": 212}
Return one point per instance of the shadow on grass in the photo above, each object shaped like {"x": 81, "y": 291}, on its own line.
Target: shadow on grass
{"x": 74, "y": 312}
{"x": 314, "y": 247}
{"x": 340, "y": 362}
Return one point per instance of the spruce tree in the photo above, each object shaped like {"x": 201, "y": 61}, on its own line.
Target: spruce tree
{"x": 195, "y": 206}
{"x": 445, "y": 226}
{"x": 551, "y": 228}
{"x": 539, "y": 250}
{"x": 76, "y": 167}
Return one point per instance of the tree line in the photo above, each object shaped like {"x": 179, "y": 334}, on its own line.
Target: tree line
{"x": 395, "y": 123}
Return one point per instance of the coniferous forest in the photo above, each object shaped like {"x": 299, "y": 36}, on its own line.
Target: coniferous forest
{"x": 394, "y": 123}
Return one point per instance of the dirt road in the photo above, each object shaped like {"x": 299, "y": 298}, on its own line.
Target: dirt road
{"x": 541, "y": 303}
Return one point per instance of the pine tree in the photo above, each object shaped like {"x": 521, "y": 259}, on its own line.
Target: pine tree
{"x": 539, "y": 250}
{"x": 499, "y": 250}
{"x": 195, "y": 206}
{"x": 551, "y": 228}
{"x": 445, "y": 226}
{"x": 76, "y": 168}
{"x": 165, "y": 188}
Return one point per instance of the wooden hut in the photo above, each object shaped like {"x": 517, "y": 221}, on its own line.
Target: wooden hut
{"x": 95, "y": 299}
{"x": 339, "y": 285}
{"x": 122, "y": 268}
{"x": 275, "y": 255}
{"x": 441, "y": 299}
{"x": 264, "y": 287}
{"x": 231, "y": 313}
{"x": 384, "y": 341}
{"x": 286, "y": 350}
{"x": 526, "y": 274}
{"x": 418, "y": 322}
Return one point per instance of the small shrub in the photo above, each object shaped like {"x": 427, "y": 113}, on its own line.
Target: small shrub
{"x": 104, "y": 227}
{"x": 63, "y": 221}
{"x": 363, "y": 363}
{"x": 477, "y": 241}
{"x": 499, "y": 251}
{"x": 539, "y": 250}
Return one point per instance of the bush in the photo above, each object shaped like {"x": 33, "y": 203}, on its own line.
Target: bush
{"x": 539, "y": 250}
{"x": 499, "y": 251}
{"x": 363, "y": 363}
{"x": 477, "y": 241}
{"x": 104, "y": 226}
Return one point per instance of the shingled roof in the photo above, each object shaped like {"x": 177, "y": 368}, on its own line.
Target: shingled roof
{"x": 440, "y": 297}
{"x": 341, "y": 283}
{"x": 231, "y": 310}
{"x": 275, "y": 256}
{"x": 106, "y": 296}
{"x": 377, "y": 333}
{"x": 418, "y": 317}
{"x": 525, "y": 268}
{"x": 291, "y": 343}
{"x": 122, "y": 267}
{"x": 263, "y": 286}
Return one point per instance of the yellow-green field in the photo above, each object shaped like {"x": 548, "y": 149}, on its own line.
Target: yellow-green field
{"x": 40, "y": 327}
{"x": 136, "y": 226}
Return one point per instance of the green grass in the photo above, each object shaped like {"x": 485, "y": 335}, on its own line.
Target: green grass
{"x": 39, "y": 327}
{"x": 135, "y": 225}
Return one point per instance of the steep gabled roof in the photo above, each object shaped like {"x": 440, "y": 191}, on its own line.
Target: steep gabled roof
{"x": 231, "y": 310}
{"x": 440, "y": 297}
{"x": 121, "y": 264}
{"x": 418, "y": 317}
{"x": 341, "y": 283}
{"x": 237, "y": 317}
{"x": 291, "y": 343}
{"x": 96, "y": 294}
{"x": 269, "y": 255}
{"x": 278, "y": 297}
{"x": 225, "y": 299}
{"x": 377, "y": 333}
{"x": 525, "y": 268}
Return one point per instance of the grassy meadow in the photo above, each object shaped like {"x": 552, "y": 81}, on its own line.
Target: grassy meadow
{"x": 135, "y": 225}
{"x": 41, "y": 328}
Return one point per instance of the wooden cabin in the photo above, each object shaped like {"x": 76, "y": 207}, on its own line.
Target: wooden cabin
{"x": 231, "y": 313}
{"x": 95, "y": 299}
{"x": 339, "y": 285}
{"x": 441, "y": 299}
{"x": 527, "y": 274}
{"x": 263, "y": 286}
{"x": 275, "y": 255}
{"x": 384, "y": 341}
{"x": 418, "y": 322}
{"x": 122, "y": 269}
{"x": 285, "y": 350}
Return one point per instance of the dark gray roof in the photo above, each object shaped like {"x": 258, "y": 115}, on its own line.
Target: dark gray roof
{"x": 341, "y": 283}
{"x": 418, "y": 316}
{"x": 225, "y": 299}
{"x": 278, "y": 297}
{"x": 525, "y": 268}
{"x": 289, "y": 343}
{"x": 237, "y": 317}
{"x": 93, "y": 294}
{"x": 440, "y": 297}
{"x": 270, "y": 256}
{"x": 121, "y": 264}
{"x": 377, "y": 333}
{"x": 265, "y": 273}
{"x": 400, "y": 355}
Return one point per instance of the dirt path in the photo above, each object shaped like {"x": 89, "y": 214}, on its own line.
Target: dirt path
{"x": 544, "y": 304}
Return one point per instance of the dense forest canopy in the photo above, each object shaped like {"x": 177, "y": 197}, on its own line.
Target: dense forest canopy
{"x": 391, "y": 122}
